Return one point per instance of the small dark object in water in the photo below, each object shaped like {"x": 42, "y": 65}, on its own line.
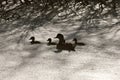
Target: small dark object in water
{"x": 50, "y": 42}
{"x": 33, "y": 40}
{"x": 62, "y": 45}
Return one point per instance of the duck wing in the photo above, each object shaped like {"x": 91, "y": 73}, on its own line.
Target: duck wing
{"x": 35, "y": 42}
{"x": 69, "y": 47}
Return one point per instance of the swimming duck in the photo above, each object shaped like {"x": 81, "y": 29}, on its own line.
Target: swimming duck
{"x": 50, "y": 42}
{"x": 62, "y": 45}
{"x": 78, "y": 43}
{"x": 61, "y": 38}
{"x": 33, "y": 40}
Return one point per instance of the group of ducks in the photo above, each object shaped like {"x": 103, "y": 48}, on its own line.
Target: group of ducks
{"x": 61, "y": 45}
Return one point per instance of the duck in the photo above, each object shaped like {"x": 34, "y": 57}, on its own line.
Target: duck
{"x": 78, "y": 43}
{"x": 61, "y": 38}
{"x": 33, "y": 40}
{"x": 50, "y": 42}
{"x": 62, "y": 45}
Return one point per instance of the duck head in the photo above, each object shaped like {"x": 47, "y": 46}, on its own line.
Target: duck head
{"x": 49, "y": 39}
{"x": 32, "y": 38}
{"x": 75, "y": 39}
{"x": 59, "y": 36}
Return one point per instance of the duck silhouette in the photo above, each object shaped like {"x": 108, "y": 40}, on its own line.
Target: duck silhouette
{"x": 78, "y": 43}
{"x": 50, "y": 42}
{"x": 62, "y": 45}
{"x": 61, "y": 38}
{"x": 33, "y": 40}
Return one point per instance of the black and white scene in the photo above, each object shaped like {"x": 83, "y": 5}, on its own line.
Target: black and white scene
{"x": 59, "y": 39}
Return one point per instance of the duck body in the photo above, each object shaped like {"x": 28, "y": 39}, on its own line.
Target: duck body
{"x": 66, "y": 46}
{"x": 50, "y": 42}
{"x": 33, "y": 40}
{"x": 62, "y": 45}
{"x": 79, "y": 43}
